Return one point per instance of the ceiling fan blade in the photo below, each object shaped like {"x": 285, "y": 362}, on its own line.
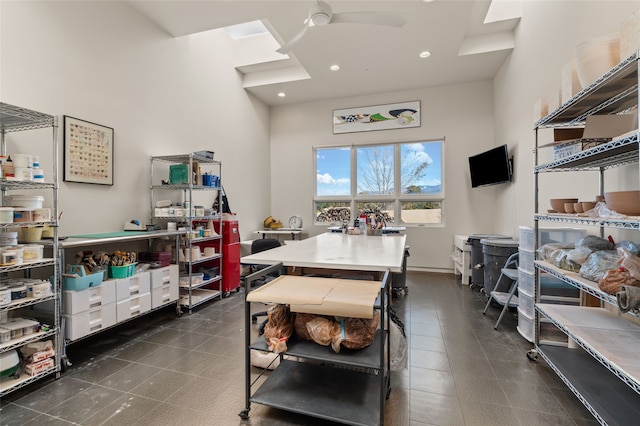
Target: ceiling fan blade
{"x": 288, "y": 45}
{"x": 373, "y": 18}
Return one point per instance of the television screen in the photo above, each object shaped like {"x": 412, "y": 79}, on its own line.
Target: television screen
{"x": 490, "y": 167}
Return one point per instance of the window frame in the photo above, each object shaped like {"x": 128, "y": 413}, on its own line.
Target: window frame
{"x": 396, "y": 199}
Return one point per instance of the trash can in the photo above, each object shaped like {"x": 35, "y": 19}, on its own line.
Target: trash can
{"x": 495, "y": 254}
{"x": 399, "y": 280}
{"x": 477, "y": 258}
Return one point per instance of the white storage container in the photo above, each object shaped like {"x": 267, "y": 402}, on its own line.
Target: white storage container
{"x": 27, "y": 201}
{"x": 42, "y": 215}
{"x": 526, "y": 283}
{"x": 163, "y": 276}
{"x": 74, "y": 302}
{"x": 133, "y": 306}
{"x": 9, "y": 238}
{"x": 132, "y": 286}
{"x": 32, "y": 252}
{"x": 526, "y": 303}
{"x": 165, "y": 294}
{"x": 525, "y": 260}
{"x": 549, "y": 235}
{"x": 89, "y": 321}
{"x": 525, "y": 325}
{"x": 6, "y": 214}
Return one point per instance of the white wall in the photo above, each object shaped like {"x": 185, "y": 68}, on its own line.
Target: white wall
{"x": 545, "y": 42}
{"x": 472, "y": 118}
{"x": 462, "y": 114}
{"x": 105, "y": 63}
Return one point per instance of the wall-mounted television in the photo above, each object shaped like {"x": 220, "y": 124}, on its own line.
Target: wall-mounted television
{"x": 491, "y": 167}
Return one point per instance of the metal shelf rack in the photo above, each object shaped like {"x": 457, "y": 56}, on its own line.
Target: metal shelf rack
{"x": 601, "y": 343}
{"x": 18, "y": 119}
{"x": 191, "y": 295}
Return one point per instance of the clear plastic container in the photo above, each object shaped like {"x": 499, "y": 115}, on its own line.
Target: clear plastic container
{"x": 22, "y": 214}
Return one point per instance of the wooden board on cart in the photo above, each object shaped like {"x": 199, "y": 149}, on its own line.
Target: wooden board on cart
{"x": 322, "y": 296}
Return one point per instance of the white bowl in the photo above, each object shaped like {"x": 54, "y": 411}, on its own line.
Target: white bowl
{"x": 597, "y": 56}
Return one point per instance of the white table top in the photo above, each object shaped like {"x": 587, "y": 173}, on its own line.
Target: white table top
{"x": 385, "y": 230}
{"x": 279, "y": 231}
{"x": 338, "y": 251}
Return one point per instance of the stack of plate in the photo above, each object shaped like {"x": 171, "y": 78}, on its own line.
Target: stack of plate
{"x": 597, "y": 56}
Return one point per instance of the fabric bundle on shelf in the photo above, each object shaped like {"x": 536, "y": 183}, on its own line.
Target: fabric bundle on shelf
{"x": 628, "y": 298}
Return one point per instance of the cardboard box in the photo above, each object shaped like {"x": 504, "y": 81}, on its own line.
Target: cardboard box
{"x": 42, "y": 355}
{"x": 567, "y": 150}
{"x": 38, "y": 367}
{"x": 598, "y": 129}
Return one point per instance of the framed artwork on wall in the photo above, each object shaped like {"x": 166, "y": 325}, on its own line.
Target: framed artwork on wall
{"x": 88, "y": 152}
{"x": 377, "y": 117}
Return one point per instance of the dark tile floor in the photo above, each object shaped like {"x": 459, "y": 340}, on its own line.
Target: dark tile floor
{"x": 168, "y": 370}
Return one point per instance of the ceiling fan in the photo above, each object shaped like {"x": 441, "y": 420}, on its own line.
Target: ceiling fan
{"x": 321, "y": 14}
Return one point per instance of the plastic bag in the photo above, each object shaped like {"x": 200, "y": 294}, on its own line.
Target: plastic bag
{"x": 630, "y": 262}
{"x": 279, "y": 328}
{"x": 595, "y": 243}
{"x": 598, "y": 264}
{"x": 630, "y": 246}
{"x": 352, "y": 333}
{"x": 579, "y": 255}
{"x": 560, "y": 258}
{"x": 601, "y": 210}
{"x": 545, "y": 251}
{"x": 613, "y": 280}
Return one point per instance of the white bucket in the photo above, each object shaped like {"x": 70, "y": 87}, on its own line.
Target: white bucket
{"x": 21, "y": 160}
{"x": 8, "y": 238}
{"x": 6, "y": 214}
{"x": 19, "y": 200}
{"x": 24, "y": 174}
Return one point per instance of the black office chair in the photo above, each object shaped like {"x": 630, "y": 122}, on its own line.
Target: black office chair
{"x": 258, "y": 246}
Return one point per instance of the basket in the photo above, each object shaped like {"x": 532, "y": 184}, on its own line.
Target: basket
{"x": 82, "y": 282}
{"x": 122, "y": 271}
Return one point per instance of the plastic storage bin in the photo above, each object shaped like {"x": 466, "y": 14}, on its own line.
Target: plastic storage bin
{"x": 122, "y": 271}
{"x": 526, "y": 303}
{"x": 82, "y": 282}
{"x": 549, "y": 235}
{"x": 525, "y": 325}
{"x": 525, "y": 260}
{"x": 526, "y": 282}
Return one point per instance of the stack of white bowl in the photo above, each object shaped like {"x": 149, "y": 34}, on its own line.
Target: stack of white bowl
{"x": 596, "y": 56}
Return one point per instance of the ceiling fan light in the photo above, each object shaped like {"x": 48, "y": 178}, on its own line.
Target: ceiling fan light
{"x": 320, "y": 19}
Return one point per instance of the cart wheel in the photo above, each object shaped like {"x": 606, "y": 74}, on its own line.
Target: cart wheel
{"x": 244, "y": 414}
{"x": 532, "y": 355}
{"x": 237, "y": 289}
{"x": 225, "y": 294}
{"x": 65, "y": 364}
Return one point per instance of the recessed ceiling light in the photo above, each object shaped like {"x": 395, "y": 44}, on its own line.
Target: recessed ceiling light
{"x": 334, "y": 67}
{"x": 281, "y": 94}
{"x": 425, "y": 54}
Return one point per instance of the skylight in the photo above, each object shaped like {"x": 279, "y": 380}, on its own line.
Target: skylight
{"x": 246, "y": 29}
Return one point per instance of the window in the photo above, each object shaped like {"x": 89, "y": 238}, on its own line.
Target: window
{"x": 400, "y": 181}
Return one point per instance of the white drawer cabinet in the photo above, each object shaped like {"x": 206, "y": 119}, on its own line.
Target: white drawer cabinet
{"x": 74, "y": 302}
{"x": 133, "y": 306}
{"x": 164, "y": 276}
{"x": 132, "y": 286}
{"x": 90, "y": 321}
